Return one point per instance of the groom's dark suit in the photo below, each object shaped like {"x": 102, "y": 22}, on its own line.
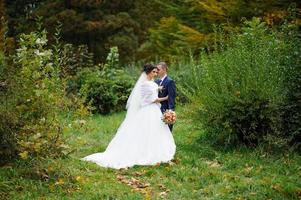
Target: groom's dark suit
{"x": 169, "y": 89}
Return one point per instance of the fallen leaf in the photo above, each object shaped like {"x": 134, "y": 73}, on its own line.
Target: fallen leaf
{"x": 162, "y": 194}
{"x": 24, "y": 155}
{"x": 212, "y": 163}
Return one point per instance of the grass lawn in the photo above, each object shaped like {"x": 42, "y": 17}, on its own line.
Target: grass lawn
{"x": 199, "y": 170}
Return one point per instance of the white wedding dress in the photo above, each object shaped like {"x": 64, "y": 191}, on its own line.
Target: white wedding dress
{"x": 143, "y": 138}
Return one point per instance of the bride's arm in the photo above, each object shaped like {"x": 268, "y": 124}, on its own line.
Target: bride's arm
{"x": 161, "y": 99}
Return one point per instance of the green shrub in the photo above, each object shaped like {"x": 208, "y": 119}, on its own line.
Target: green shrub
{"x": 187, "y": 74}
{"x": 32, "y": 102}
{"x": 241, "y": 87}
{"x": 105, "y": 89}
{"x": 97, "y": 91}
{"x": 103, "y": 94}
{"x": 249, "y": 120}
{"x": 8, "y": 119}
{"x": 291, "y": 108}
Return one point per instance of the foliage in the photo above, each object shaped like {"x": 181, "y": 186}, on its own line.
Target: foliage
{"x": 105, "y": 89}
{"x": 291, "y": 108}
{"x": 187, "y": 74}
{"x": 190, "y": 25}
{"x": 31, "y": 102}
{"x": 173, "y": 25}
{"x": 74, "y": 59}
{"x": 6, "y": 42}
{"x": 170, "y": 38}
{"x": 2, "y": 32}
{"x": 97, "y": 24}
{"x": 240, "y": 88}
{"x": 7, "y": 120}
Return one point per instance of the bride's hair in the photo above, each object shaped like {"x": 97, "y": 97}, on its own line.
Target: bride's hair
{"x": 147, "y": 68}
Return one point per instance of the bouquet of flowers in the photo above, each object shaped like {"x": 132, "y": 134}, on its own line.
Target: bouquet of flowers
{"x": 169, "y": 117}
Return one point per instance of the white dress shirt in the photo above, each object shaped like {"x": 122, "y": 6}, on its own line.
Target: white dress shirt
{"x": 162, "y": 79}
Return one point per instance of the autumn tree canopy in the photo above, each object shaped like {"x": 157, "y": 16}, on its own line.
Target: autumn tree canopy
{"x": 140, "y": 29}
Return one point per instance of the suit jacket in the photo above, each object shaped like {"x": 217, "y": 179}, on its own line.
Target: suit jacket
{"x": 169, "y": 89}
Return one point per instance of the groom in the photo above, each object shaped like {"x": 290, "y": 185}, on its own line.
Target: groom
{"x": 169, "y": 89}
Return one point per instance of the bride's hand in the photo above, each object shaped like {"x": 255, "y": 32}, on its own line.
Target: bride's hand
{"x": 161, "y": 99}
{"x": 160, "y": 88}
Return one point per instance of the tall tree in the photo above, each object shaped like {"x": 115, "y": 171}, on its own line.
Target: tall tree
{"x": 100, "y": 24}
{"x": 189, "y": 25}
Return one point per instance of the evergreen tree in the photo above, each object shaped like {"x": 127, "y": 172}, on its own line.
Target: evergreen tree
{"x": 95, "y": 23}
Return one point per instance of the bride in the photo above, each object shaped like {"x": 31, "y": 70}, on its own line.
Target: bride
{"x": 142, "y": 138}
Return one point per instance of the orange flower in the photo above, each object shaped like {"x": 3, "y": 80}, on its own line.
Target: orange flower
{"x": 169, "y": 117}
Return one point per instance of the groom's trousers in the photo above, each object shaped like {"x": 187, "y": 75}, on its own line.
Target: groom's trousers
{"x": 170, "y": 127}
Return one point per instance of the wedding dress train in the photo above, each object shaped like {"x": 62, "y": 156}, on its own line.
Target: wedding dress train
{"x": 142, "y": 138}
